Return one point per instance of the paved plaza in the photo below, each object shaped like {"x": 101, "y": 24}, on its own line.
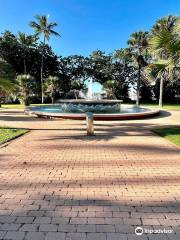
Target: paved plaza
{"x": 58, "y": 183}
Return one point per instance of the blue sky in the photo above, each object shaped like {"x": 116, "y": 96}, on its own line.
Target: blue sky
{"x": 87, "y": 25}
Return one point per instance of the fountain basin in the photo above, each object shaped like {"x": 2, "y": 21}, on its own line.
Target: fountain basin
{"x": 102, "y": 110}
{"x": 76, "y": 101}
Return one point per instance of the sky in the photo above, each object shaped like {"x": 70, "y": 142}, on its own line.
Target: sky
{"x": 87, "y": 25}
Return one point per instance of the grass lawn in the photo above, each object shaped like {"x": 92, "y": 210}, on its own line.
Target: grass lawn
{"x": 19, "y": 106}
{"x": 172, "y": 134}
{"x": 7, "y": 134}
{"x": 12, "y": 106}
{"x": 165, "y": 107}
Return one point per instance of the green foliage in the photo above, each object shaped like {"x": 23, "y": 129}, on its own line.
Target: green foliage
{"x": 138, "y": 44}
{"x": 24, "y": 87}
{"x": 124, "y": 68}
{"x": 124, "y": 56}
{"x": 42, "y": 26}
{"x": 109, "y": 86}
{"x": 7, "y": 75}
{"x": 165, "y": 47}
{"x": 51, "y": 86}
{"x": 100, "y": 66}
{"x": 26, "y": 41}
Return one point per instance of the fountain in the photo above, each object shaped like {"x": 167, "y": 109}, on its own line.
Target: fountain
{"x": 102, "y": 109}
{"x": 90, "y": 90}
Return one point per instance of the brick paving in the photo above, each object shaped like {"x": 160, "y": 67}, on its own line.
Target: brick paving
{"x": 58, "y": 183}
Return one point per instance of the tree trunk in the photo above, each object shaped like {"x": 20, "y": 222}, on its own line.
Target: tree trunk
{"x": 25, "y": 65}
{"x": 161, "y": 92}
{"x": 52, "y": 99}
{"x": 42, "y": 88}
{"x": 24, "y": 61}
{"x": 42, "y": 65}
{"x": 138, "y": 85}
{"x": 75, "y": 93}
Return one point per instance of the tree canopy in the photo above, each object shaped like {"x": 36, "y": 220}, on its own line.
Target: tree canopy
{"x": 125, "y": 68}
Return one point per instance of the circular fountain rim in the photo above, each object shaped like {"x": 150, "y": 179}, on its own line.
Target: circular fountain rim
{"x": 89, "y": 101}
{"x": 97, "y": 116}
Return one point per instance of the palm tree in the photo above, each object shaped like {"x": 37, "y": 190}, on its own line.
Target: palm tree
{"x": 109, "y": 87}
{"x": 42, "y": 26}
{"x": 26, "y": 41}
{"x": 165, "y": 46}
{"x": 7, "y": 74}
{"x": 138, "y": 43}
{"x": 6, "y": 86}
{"x": 52, "y": 86}
{"x": 124, "y": 55}
{"x": 168, "y": 23}
{"x": 24, "y": 87}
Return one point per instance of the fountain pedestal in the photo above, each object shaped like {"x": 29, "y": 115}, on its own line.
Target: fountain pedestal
{"x": 90, "y": 123}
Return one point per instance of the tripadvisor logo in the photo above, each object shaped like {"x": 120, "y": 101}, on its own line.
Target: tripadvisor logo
{"x": 139, "y": 231}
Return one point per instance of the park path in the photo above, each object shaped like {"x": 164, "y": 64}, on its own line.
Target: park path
{"x": 57, "y": 183}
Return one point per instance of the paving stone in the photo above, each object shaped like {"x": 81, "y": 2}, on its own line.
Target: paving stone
{"x": 78, "y": 220}
{"x": 124, "y": 229}
{"x": 86, "y": 228}
{"x": 7, "y": 219}
{"x": 60, "y": 220}
{"x": 55, "y": 236}
{"x": 2, "y": 234}
{"x": 10, "y": 227}
{"x": 150, "y": 222}
{"x": 116, "y": 236}
{"x": 97, "y": 221}
{"x": 35, "y": 236}
{"x": 95, "y": 236}
{"x": 105, "y": 228}
{"x": 48, "y": 228}
{"x": 42, "y": 220}
{"x": 29, "y": 227}
{"x": 66, "y": 228}
{"x": 24, "y": 219}
{"x": 76, "y": 236}
{"x": 14, "y": 235}
{"x": 157, "y": 236}
{"x": 173, "y": 236}
{"x": 141, "y": 237}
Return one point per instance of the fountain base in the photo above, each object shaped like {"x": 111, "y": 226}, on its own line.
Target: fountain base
{"x": 101, "y": 109}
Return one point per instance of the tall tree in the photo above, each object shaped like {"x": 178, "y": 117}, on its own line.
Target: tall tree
{"x": 52, "y": 87}
{"x": 42, "y": 26}
{"x": 7, "y": 76}
{"x": 128, "y": 72}
{"x": 100, "y": 66}
{"x": 26, "y": 41}
{"x": 165, "y": 47}
{"x": 24, "y": 87}
{"x": 138, "y": 43}
{"x": 124, "y": 56}
{"x": 11, "y": 51}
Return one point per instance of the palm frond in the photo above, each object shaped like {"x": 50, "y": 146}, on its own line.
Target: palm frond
{"x": 52, "y": 25}
{"x": 34, "y": 25}
{"x": 54, "y": 33}
{"x": 42, "y": 26}
{"x": 6, "y": 85}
